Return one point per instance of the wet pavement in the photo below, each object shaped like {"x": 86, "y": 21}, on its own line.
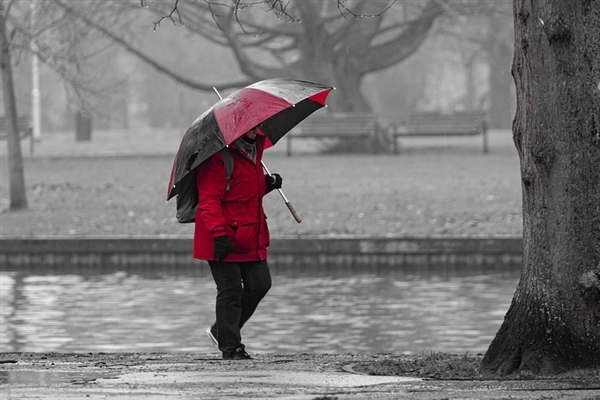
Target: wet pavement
{"x": 206, "y": 376}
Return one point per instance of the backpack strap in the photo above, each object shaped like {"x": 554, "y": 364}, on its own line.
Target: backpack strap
{"x": 228, "y": 160}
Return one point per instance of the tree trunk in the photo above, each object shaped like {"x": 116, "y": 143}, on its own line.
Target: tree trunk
{"x": 553, "y": 323}
{"x": 348, "y": 96}
{"x": 18, "y": 198}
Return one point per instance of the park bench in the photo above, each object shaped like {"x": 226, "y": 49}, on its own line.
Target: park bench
{"x": 357, "y": 129}
{"x": 462, "y": 123}
{"x": 24, "y": 127}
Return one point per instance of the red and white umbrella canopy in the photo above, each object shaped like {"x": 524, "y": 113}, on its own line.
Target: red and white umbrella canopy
{"x": 277, "y": 105}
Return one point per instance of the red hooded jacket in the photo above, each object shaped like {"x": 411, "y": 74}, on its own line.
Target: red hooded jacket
{"x": 237, "y": 212}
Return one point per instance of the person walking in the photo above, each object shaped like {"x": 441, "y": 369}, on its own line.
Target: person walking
{"x": 231, "y": 233}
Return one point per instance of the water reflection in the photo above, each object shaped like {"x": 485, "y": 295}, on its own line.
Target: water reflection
{"x": 312, "y": 311}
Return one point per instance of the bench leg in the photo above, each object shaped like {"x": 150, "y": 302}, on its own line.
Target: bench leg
{"x": 485, "y": 142}
{"x": 395, "y": 148}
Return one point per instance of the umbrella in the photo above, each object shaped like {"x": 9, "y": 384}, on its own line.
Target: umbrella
{"x": 277, "y": 105}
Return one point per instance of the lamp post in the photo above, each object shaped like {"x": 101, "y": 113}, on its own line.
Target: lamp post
{"x": 36, "y": 103}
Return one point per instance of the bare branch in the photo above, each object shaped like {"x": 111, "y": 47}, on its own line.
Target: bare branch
{"x": 341, "y": 5}
{"x": 169, "y": 16}
{"x": 156, "y": 65}
{"x": 281, "y": 10}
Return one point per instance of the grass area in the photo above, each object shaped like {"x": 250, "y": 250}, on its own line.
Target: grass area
{"x": 425, "y": 365}
{"x": 444, "y": 366}
{"x": 424, "y": 191}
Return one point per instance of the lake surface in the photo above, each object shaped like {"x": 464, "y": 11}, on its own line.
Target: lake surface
{"x": 313, "y": 311}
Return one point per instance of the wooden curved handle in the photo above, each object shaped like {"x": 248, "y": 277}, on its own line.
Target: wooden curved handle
{"x": 294, "y": 213}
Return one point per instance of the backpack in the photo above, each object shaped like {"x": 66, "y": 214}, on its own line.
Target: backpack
{"x": 187, "y": 199}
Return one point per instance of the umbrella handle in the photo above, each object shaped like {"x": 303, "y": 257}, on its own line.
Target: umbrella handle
{"x": 287, "y": 202}
{"x": 291, "y": 208}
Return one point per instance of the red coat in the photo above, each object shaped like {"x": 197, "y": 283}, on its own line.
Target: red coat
{"x": 237, "y": 212}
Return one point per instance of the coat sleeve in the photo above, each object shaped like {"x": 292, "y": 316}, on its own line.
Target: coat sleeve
{"x": 211, "y": 181}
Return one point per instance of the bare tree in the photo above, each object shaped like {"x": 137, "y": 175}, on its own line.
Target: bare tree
{"x": 338, "y": 42}
{"x": 487, "y": 38}
{"x": 553, "y": 323}
{"x": 327, "y": 41}
{"x": 114, "y": 29}
{"x": 18, "y": 196}
{"x": 62, "y": 42}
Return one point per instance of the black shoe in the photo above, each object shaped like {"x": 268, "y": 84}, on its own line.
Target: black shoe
{"x": 237, "y": 354}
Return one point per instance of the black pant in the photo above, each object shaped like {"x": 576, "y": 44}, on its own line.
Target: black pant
{"x": 240, "y": 287}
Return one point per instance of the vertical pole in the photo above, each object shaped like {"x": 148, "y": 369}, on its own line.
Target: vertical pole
{"x": 36, "y": 105}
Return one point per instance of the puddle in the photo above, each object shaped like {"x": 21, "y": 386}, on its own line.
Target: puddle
{"x": 50, "y": 378}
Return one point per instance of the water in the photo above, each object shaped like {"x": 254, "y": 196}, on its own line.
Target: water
{"x": 305, "y": 311}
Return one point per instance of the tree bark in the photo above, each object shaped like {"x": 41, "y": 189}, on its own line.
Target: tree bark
{"x": 16, "y": 177}
{"x": 553, "y": 323}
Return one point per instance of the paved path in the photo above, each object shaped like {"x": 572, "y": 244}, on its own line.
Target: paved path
{"x": 206, "y": 376}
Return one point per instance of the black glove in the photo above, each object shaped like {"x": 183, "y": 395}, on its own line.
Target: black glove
{"x": 222, "y": 247}
{"x": 273, "y": 181}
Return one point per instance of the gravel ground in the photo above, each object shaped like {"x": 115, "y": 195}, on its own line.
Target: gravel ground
{"x": 297, "y": 376}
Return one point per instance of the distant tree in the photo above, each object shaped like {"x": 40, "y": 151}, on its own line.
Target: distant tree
{"x": 112, "y": 22}
{"x": 489, "y": 34}
{"x": 328, "y": 41}
{"x": 62, "y": 43}
{"x": 332, "y": 41}
{"x": 498, "y": 45}
{"x": 18, "y": 196}
{"x": 553, "y": 323}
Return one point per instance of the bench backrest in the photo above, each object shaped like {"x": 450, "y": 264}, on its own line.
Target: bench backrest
{"x": 23, "y": 124}
{"x": 350, "y": 124}
{"x": 463, "y": 122}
